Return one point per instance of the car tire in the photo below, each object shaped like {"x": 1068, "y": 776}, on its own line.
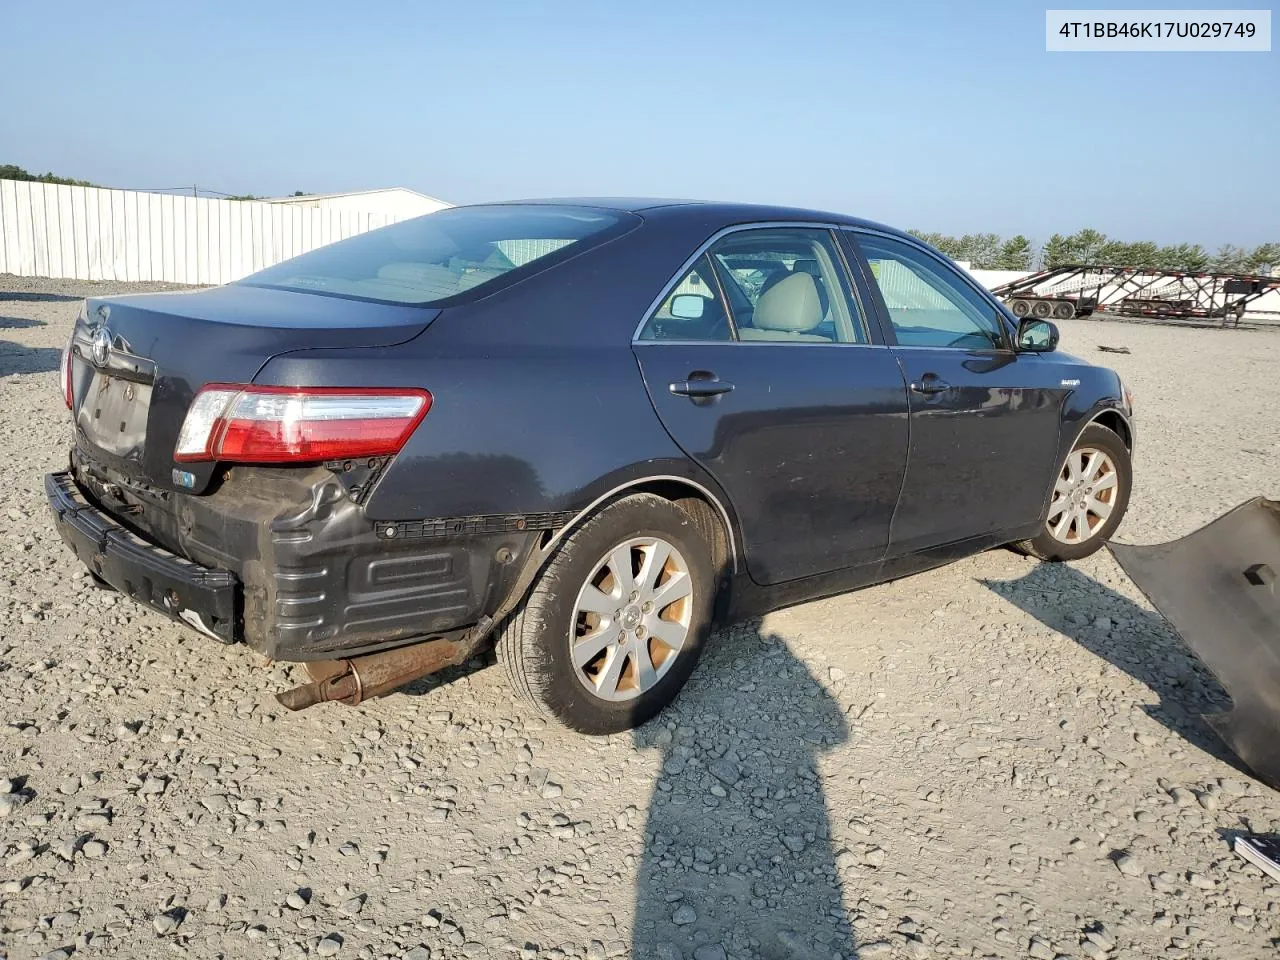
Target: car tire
{"x": 1063, "y": 310}
{"x": 1021, "y": 308}
{"x": 1042, "y": 309}
{"x": 612, "y": 692}
{"x": 1072, "y": 543}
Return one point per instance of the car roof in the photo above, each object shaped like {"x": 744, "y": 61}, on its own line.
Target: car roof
{"x": 725, "y": 212}
{"x": 626, "y": 204}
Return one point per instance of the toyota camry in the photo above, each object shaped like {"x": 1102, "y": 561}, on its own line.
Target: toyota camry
{"x": 585, "y": 430}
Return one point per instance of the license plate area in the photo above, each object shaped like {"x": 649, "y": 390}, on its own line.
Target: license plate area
{"x": 113, "y": 415}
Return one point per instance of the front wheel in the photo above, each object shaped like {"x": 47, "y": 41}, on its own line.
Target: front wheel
{"x": 616, "y": 621}
{"x": 1089, "y": 500}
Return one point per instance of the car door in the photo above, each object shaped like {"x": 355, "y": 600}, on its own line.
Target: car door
{"x": 984, "y": 419}
{"x": 761, "y": 366}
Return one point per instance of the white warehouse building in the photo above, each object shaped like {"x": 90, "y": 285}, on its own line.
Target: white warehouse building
{"x": 395, "y": 203}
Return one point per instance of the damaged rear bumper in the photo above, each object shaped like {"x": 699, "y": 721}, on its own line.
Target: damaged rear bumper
{"x": 1220, "y": 588}
{"x": 202, "y": 598}
{"x": 284, "y": 561}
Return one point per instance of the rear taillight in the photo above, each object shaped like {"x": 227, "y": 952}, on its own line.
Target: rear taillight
{"x": 252, "y": 424}
{"x": 65, "y": 376}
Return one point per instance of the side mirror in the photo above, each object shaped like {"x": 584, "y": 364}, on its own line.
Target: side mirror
{"x": 688, "y": 306}
{"x": 1037, "y": 336}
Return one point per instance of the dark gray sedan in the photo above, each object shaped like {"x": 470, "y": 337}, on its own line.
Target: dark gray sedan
{"x": 588, "y": 428}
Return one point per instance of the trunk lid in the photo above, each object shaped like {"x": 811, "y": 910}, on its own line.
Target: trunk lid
{"x": 137, "y": 362}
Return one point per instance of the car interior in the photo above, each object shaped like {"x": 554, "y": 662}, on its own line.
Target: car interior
{"x": 788, "y": 309}
{"x": 768, "y": 298}
{"x": 776, "y": 286}
{"x": 771, "y": 284}
{"x": 422, "y": 261}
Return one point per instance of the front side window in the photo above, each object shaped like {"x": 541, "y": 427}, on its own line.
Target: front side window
{"x": 929, "y": 304}
{"x": 693, "y": 310}
{"x": 443, "y": 254}
{"x": 787, "y": 285}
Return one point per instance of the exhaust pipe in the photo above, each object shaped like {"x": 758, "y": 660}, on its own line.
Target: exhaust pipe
{"x": 356, "y": 679}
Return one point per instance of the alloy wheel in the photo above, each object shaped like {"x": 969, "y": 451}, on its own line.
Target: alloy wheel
{"x": 1084, "y": 496}
{"x": 631, "y": 618}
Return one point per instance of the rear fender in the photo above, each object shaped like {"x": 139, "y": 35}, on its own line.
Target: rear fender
{"x": 1220, "y": 589}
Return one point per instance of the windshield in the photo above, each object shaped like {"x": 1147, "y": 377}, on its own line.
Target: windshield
{"x": 440, "y": 255}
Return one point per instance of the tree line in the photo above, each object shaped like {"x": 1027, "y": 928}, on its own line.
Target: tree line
{"x": 11, "y": 171}
{"x": 989, "y": 251}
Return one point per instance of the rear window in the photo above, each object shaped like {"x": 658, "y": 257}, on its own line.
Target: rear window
{"x": 445, "y": 254}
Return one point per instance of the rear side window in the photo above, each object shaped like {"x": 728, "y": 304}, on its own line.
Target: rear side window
{"x": 787, "y": 285}
{"x": 445, "y": 254}
{"x": 694, "y": 310}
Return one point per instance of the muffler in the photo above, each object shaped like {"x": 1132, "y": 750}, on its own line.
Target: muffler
{"x": 357, "y": 679}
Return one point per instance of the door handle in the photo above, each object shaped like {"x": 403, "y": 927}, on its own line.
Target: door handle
{"x": 929, "y": 384}
{"x": 699, "y": 388}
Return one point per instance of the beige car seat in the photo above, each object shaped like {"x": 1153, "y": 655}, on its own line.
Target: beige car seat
{"x": 787, "y": 311}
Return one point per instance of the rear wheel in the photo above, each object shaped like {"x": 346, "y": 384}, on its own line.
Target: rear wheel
{"x": 1021, "y": 308}
{"x": 1063, "y": 310}
{"x": 617, "y": 619}
{"x": 1041, "y": 309}
{"x": 1089, "y": 500}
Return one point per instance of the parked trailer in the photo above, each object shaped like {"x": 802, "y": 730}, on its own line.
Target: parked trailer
{"x": 1082, "y": 290}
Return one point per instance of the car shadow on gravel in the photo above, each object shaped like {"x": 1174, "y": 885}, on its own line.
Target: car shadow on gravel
{"x": 738, "y": 858}
{"x": 1138, "y": 641}
{"x": 16, "y": 358}
{"x": 20, "y": 323}
{"x": 30, "y": 297}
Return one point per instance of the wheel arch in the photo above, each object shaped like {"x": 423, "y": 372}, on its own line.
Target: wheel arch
{"x": 1105, "y": 414}
{"x": 677, "y": 489}
{"x": 1113, "y": 421}
{"x": 1116, "y": 422}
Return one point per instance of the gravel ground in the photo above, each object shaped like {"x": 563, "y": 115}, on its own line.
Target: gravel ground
{"x": 996, "y": 759}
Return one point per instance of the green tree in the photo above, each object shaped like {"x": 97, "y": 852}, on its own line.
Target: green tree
{"x": 1166, "y": 258}
{"x": 1263, "y": 259}
{"x": 1015, "y": 254}
{"x": 951, "y": 246}
{"x": 1230, "y": 259}
{"x": 954, "y": 247}
{"x": 1085, "y": 244}
{"x": 932, "y": 239}
{"x": 10, "y": 171}
{"x": 1182, "y": 256}
{"x": 981, "y": 250}
{"x": 1056, "y": 252}
{"x": 1144, "y": 253}
{"x": 1194, "y": 257}
{"x": 1114, "y": 253}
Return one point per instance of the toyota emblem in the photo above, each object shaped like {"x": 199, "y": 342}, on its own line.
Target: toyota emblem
{"x": 101, "y": 346}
